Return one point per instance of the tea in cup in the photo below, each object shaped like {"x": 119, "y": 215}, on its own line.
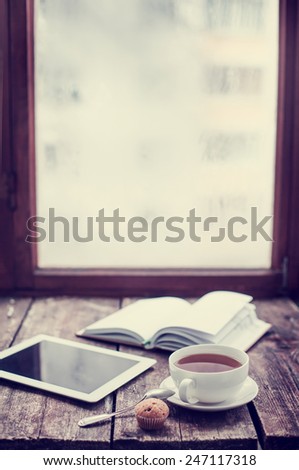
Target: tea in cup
{"x": 208, "y": 373}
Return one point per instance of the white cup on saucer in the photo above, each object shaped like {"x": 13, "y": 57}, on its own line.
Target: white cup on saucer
{"x": 208, "y": 373}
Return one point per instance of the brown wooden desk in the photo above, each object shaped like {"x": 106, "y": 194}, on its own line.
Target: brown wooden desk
{"x": 34, "y": 420}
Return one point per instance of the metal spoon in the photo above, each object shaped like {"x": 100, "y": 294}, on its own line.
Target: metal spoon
{"x": 162, "y": 393}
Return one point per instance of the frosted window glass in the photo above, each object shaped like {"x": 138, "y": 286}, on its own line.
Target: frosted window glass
{"x": 155, "y": 107}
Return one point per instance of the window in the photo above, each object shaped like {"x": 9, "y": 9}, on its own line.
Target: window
{"x": 225, "y": 91}
{"x": 173, "y": 96}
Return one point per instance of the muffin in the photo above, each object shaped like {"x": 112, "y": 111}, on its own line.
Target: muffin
{"x": 151, "y": 413}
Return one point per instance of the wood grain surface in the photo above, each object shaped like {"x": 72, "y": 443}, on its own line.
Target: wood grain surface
{"x": 184, "y": 429}
{"x": 33, "y": 419}
{"x": 275, "y": 367}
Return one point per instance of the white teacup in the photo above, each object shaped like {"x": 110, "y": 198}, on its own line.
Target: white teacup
{"x": 208, "y": 387}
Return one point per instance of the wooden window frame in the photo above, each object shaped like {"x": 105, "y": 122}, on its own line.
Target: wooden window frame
{"x": 18, "y": 260}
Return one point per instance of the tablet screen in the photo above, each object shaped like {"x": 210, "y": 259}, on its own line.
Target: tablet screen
{"x": 66, "y": 366}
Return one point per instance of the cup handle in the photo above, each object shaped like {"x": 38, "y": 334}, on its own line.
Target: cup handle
{"x": 186, "y": 391}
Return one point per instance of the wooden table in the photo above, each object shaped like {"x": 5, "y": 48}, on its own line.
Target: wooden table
{"x": 35, "y": 420}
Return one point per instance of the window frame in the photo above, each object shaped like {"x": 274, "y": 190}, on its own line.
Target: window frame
{"x": 18, "y": 260}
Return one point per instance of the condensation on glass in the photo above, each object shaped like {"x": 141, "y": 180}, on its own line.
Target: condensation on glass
{"x": 155, "y": 107}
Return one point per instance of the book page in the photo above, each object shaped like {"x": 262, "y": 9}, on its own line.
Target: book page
{"x": 210, "y": 314}
{"x": 144, "y": 317}
{"x": 246, "y": 334}
{"x": 214, "y": 310}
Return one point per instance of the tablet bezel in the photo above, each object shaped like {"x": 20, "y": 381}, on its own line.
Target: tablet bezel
{"x": 143, "y": 363}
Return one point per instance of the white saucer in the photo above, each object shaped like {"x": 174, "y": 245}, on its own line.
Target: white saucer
{"x": 247, "y": 393}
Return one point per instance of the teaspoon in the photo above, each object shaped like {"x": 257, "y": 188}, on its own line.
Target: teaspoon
{"x": 162, "y": 393}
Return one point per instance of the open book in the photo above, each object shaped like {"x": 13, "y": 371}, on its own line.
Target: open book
{"x": 170, "y": 323}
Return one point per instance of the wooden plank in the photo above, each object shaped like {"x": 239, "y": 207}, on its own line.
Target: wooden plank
{"x": 225, "y": 430}
{"x": 127, "y": 434}
{"x": 185, "y": 429}
{"x": 275, "y": 367}
{"x": 155, "y": 282}
{"x": 6, "y": 215}
{"x": 33, "y": 419}
{"x": 285, "y": 220}
{"x": 21, "y": 87}
{"x": 12, "y": 314}
{"x": 292, "y": 229}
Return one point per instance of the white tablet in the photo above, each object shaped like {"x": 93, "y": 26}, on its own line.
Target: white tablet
{"x": 68, "y": 368}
